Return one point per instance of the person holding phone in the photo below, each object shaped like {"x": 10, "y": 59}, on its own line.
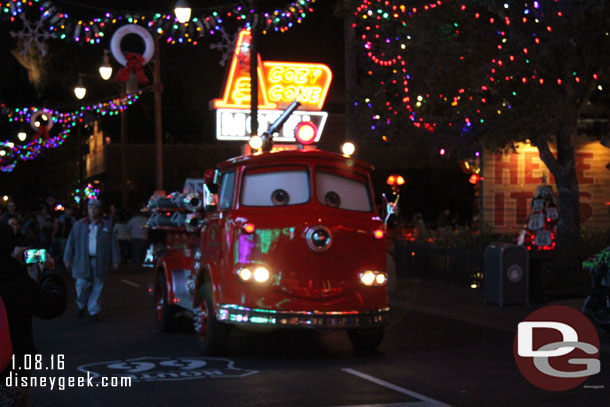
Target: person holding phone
{"x": 24, "y": 297}
{"x": 91, "y": 250}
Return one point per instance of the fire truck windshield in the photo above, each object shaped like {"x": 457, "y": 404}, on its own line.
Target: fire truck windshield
{"x": 278, "y": 188}
{"x": 342, "y": 192}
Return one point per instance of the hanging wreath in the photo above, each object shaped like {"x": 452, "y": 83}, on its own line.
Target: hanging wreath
{"x": 41, "y": 130}
{"x": 130, "y": 61}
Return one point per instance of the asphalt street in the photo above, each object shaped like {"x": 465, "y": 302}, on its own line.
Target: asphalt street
{"x": 443, "y": 347}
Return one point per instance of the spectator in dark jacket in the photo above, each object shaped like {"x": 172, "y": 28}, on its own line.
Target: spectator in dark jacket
{"x": 21, "y": 239}
{"x": 24, "y": 297}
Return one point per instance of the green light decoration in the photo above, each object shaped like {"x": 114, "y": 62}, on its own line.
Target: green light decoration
{"x": 11, "y": 153}
{"x": 93, "y": 30}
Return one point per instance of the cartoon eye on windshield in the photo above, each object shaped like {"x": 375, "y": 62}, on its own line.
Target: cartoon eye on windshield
{"x": 280, "y": 197}
{"x": 343, "y": 192}
{"x": 276, "y": 188}
{"x": 332, "y": 199}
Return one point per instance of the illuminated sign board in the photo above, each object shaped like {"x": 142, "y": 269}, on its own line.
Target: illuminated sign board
{"x": 287, "y": 81}
{"x": 279, "y": 84}
{"x": 234, "y": 124}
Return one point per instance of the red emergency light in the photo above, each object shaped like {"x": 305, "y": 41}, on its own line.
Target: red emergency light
{"x": 395, "y": 179}
{"x": 305, "y": 132}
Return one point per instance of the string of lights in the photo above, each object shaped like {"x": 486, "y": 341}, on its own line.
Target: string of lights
{"x": 93, "y": 30}
{"x": 42, "y": 121}
{"x": 516, "y": 58}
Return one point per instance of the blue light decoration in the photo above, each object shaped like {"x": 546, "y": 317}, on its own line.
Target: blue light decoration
{"x": 94, "y": 29}
{"x": 11, "y": 152}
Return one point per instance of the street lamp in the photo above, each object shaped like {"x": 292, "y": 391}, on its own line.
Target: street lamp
{"x": 80, "y": 91}
{"x": 105, "y": 69}
{"x": 182, "y": 11}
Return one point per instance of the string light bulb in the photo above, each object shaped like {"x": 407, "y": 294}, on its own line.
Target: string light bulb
{"x": 80, "y": 91}
{"x": 182, "y": 11}
{"x": 105, "y": 69}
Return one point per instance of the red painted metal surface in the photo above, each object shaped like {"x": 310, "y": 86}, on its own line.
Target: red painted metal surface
{"x": 315, "y": 252}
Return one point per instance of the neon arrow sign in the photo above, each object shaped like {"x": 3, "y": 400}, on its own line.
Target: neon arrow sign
{"x": 279, "y": 83}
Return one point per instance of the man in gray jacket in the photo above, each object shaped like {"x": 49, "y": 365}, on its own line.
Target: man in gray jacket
{"x": 90, "y": 251}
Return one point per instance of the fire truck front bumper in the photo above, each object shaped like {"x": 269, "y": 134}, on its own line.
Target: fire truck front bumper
{"x": 238, "y": 315}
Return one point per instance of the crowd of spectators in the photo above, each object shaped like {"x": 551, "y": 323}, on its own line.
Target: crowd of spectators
{"x": 44, "y": 227}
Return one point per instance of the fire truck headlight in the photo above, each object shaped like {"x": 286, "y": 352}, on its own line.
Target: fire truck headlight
{"x": 256, "y": 142}
{"x": 245, "y": 274}
{"x": 261, "y": 274}
{"x": 367, "y": 278}
{"x": 381, "y": 279}
{"x": 373, "y": 278}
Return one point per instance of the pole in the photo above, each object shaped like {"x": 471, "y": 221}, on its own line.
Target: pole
{"x": 158, "y": 88}
{"x": 351, "y": 75}
{"x": 79, "y": 155}
{"x": 253, "y": 71}
{"x": 124, "y": 168}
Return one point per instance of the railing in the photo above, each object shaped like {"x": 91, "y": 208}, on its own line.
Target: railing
{"x": 458, "y": 265}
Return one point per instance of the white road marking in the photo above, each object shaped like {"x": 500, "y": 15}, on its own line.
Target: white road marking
{"x": 425, "y": 401}
{"x": 406, "y": 404}
{"x": 131, "y": 283}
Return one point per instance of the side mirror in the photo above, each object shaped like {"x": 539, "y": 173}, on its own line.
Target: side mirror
{"x": 210, "y": 200}
{"x": 210, "y": 190}
{"x": 392, "y": 208}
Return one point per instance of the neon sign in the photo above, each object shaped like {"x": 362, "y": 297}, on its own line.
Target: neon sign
{"x": 234, "y": 124}
{"x": 279, "y": 83}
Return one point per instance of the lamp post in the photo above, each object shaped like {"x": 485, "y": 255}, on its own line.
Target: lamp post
{"x": 351, "y": 74}
{"x": 253, "y": 70}
{"x": 105, "y": 71}
{"x": 158, "y": 89}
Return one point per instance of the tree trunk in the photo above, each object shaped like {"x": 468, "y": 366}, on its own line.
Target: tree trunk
{"x": 568, "y": 225}
{"x": 563, "y": 168}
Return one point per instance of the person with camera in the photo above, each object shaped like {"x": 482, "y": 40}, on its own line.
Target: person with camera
{"x": 24, "y": 297}
{"x": 90, "y": 251}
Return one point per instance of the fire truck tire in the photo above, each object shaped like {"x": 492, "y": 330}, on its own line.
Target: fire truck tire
{"x": 165, "y": 313}
{"x": 212, "y": 335}
{"x": 365, "y": 340}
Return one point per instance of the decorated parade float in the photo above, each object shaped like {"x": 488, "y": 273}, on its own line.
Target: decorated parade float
{"x": 284, "y": 236}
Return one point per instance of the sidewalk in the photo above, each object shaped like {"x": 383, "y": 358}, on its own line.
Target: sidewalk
{"x": 444, "y": 299}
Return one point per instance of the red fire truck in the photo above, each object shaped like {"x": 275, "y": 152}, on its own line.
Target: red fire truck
{"x": 288, "y": 239}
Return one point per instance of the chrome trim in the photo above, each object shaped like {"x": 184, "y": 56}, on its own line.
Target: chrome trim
{"x": 309, "y": 236}
{"x": 238, "y": 315}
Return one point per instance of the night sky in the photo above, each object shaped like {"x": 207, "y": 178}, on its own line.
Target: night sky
{"x": 192, "y": 77}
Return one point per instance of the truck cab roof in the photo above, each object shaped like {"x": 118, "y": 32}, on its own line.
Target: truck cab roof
{"x": 296, "y": 157}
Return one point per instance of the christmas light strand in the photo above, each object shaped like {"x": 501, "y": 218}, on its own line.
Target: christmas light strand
{"x": 513, "y": 65}
{"x": 94, "y": 29}
{"x": 12, "y": 152}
